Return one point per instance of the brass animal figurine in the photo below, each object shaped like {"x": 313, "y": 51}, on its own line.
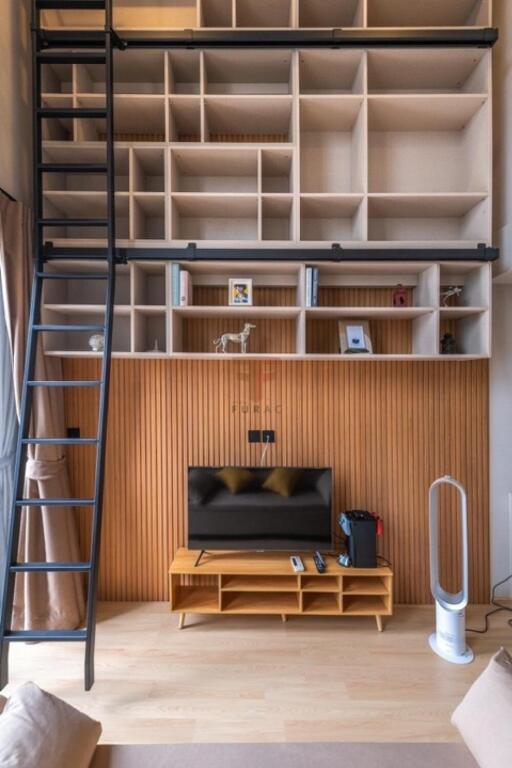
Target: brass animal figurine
{"x": 241, "y": 338}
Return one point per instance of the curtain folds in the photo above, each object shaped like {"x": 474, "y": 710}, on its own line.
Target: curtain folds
{"x": 53, "y": 600}
{"x": 8, "y": 434}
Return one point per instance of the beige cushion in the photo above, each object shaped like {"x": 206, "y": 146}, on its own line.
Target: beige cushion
{"x": 485, "y": 715}
{"x": 38, "y": 730}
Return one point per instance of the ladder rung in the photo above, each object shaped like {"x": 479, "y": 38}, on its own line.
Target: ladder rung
{"x": 86, "y": 383}
{"x": 72, "y": 38}
{"x": 60, "y": 441}
{"x": 71, "y": 5}
{"x": 73, "y": 167}
{"x": 55, "y": 502}
{"x": 35, "y": 635}
{"x": 73, "y": 112}
{"x": 50, "y": 568}
{"x": 50, "y": 327}
{"x": 71, "y": 57}
{"x": 72, "y": 222}
{"x": 73, "y": 275}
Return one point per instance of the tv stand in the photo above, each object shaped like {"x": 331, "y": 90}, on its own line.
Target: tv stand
{"x": 264, "y": 583}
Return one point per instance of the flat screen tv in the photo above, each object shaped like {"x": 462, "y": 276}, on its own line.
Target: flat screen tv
{"x": 256, "y": 518}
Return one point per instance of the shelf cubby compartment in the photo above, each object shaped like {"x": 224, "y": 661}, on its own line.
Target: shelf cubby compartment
{"x": 475, "y": 281}
{"x": 429, "y": 144}
{"x": 148, "y": 169}
{"x": 331, "y": 13}
{"x": 393, "y": 332}
{"x": 84, "y": 182}
{"x": 249, "y": 72}
{"x": 57, "y": 79}
{"x": 149, "y": 284}
{"x": 259, "y": 584}
{"x": 435, "y": 71}
{"x": 366, "y": 585}
{"x": 90, "y": 129}
{"x": 324, "y": 584}
{"x": 332, "y": 218}
{"x": 196, "y": 328}
{"x": 258, "y": 14}
{"x": 89, "y": 79}
{"x": 366, "y": 605}
{"x": 433, "y": 13}
{"x": 278, "y": 289}
{"x": 276, "y": 171}
{"x": 248, "y": 119}
{"x": 150, "y": 330}
{"x": 277, "y": 217}
{"x": 71, "y": 342}
{"x": 184, "y": 72}
{"x": 470, "y": 329}
{"x": 139, "y": 118}
{"x": 371, "y": 286}
{"x": 212, "y": 170}
{"x": 148, "y": 220}
{"x": 168, "y": 15}
{"x": 216, "y": 13}
{"x": 139, "y": 72}
{"x": 80, "y": 291}
{"x": 331, "y": 72}
{"x": 260, "y": 602}
{"x": 214, "y": 217}
{"x": 323, "y": 603}
{"x": 332, "y": 133}
{"x": 184, "y": 119}
{"x": 424, "y": 218}
{"x": 83, "y": 205}
{"x": 195, "y": 599}
{"x": 58, "y": 128}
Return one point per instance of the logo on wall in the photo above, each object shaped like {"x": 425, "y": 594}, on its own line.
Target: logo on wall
{"x": 254, "y": 391}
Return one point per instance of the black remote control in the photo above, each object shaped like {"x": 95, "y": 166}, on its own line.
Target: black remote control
{"x": 319, "y": 562}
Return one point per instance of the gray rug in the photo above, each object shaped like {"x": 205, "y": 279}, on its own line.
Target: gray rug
{"x": 285, "y": 756}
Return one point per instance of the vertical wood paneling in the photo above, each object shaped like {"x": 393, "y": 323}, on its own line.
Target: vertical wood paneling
{"x": 386, "y": 428}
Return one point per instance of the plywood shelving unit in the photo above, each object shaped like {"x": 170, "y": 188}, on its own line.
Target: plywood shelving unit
{"x": 292, "y": 148}
{"x": 266, "y": 584}
{"x": 147, "y": 324}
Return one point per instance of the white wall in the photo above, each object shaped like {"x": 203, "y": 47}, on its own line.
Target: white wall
{"x": 501, "y": 363}
{"x": 15, "y": 96}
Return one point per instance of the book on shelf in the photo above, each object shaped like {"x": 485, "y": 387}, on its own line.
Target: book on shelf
{"x": 311, "y": 286}
{"x": 175, "y": 284}
{"x": 185, "y": 288}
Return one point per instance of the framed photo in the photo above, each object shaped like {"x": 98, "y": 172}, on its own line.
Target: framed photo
{"x": 240, "y": 292}
{"x": 354, "y": 337}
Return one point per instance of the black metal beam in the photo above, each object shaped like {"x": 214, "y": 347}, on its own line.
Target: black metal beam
{"x": 191, "y": 252}
{"x": 295, "y": 38}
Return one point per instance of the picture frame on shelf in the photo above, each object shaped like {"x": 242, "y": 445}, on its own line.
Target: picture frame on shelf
{"x": 240, "y": 292}
{"x": 354, "y": 337}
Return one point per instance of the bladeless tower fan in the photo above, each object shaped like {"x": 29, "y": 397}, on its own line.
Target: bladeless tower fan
{"x": 449, "y": 639}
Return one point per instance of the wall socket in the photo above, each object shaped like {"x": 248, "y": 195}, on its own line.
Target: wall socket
{"x": 269, "y": 436}
{"x": 254, "y": 435}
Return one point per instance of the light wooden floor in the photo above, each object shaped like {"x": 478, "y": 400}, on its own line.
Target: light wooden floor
{"x": 236, "y": 679}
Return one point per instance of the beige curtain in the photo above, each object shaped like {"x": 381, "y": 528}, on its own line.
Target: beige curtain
{"x": 54, "y": 600}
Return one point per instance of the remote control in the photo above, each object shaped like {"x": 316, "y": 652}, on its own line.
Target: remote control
{"x": 319, "y": 562}
{"x": 297, "y": 564}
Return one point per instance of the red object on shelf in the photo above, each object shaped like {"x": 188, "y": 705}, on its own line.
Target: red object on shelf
{"x": 400, "y": 296}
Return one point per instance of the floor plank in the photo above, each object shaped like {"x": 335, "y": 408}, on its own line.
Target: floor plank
{"x": 254, "y": 679}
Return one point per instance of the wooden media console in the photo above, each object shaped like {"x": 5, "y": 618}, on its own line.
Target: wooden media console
{"x": 257, "y": 583}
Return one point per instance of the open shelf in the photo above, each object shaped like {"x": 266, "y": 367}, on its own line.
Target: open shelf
{"x": 259, "y": 584}
{"x": 277, "y": 218}
{"x": 321, "y": 603}
{"x": 214, "y": 217}
{"x": 258, "y": 14}
{"x": 148, "y": 216}
{"x": 260, "y": 602}
{"x": 149, "y": 284}
{"x": 184, "y": 72}
{"x": 244, "y": 72}
{"x": 184, "y": 119}
{"x": 136, "y": 72}
{"x": 471, "y": 331}
{"x": 276, "y": 171}
{"x": 216, "y": 13}
{"x": 195, "y": 599}
{"x": 331, "y": 13}
{"x": 314, "y": 584}
{"x": 367, "y": 585}
{"x": 332, "y": 218}
{"x": 429, "y": 144}
{"x": 434, "y": 13}
{"x": 148, "y": 170}
{"x": 150, "y": 330}
{"x": 331, "y": 144}
{"x": 473, "y": 281}
{"x": 212, "y": 170}
{"x": 249, "y": 119}
{"x": 364, "y": 605}
{"x": 328, "y": 72}
{"x": 78, "y": 341}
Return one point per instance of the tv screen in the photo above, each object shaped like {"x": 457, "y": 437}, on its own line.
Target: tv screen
{"x": 255, "y": 518}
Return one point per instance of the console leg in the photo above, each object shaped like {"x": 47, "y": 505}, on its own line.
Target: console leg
{"x": 198, "y": 558}
{"x": 378, "y": 619}
{"x": 284, "y": 617}
{"x": 182, "y": 620}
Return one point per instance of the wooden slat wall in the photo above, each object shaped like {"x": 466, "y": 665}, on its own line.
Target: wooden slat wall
{"x": 387, "y": 428}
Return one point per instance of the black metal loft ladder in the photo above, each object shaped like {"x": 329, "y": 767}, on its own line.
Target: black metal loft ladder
{"x": 56, "y": 49}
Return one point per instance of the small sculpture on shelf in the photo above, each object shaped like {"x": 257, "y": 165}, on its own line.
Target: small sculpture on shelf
{"x": 400, "y": 296}
{"x": 454, "y": 291}
{"x": 221, "y": 344}
{"x": 97, "y": 342}
{"x": 448, "y": 344}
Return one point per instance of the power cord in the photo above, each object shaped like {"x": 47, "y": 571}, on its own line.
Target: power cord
{"x": 267, "y": 443}
{"x": 498, "y": 607}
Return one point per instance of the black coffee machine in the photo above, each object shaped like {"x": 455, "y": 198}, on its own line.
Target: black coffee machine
{"x": 360, "y": 528}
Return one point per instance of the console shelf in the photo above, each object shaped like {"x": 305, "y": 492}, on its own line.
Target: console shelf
{"x": 247, "y": 583}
